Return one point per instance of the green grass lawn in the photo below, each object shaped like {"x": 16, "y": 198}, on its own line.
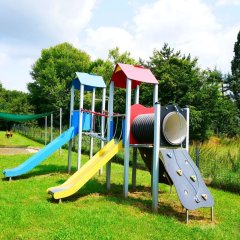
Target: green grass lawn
{"x": 28, "y": 212}
{"x": 16, "y": 140}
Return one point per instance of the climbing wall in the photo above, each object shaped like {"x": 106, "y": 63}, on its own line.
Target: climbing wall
{"x": 187, "y": 179}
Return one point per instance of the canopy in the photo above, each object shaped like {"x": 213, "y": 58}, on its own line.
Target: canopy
{"x": 21, "y": 117}
{"x": 89, "y": 81}
{"x": 137, "y": 74}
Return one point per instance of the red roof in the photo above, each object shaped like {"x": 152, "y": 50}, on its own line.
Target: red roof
{"x": 137, "y": 74}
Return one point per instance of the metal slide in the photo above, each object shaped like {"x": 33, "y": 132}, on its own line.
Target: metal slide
{"x": 179, "y": 169}
{"x": 87, "y": 171}
{"x": 37, "y": 158}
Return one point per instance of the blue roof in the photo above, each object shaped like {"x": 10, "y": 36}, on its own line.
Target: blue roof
{"x": 89, "y": 81}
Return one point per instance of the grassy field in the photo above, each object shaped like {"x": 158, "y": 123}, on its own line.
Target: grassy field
{"x": 219, "y": 158}
{"x": 28, "y": 212}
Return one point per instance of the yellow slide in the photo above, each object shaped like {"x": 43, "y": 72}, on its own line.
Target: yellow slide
{"x": 89, "y": 169}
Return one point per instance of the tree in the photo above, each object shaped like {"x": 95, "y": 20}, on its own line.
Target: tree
{"x": 233, "y": 80}
{"x": 105, "y": 69}
{"x": 13, "y": 102}
{"x": 182, "y": 82}
{"x": 52, "y": 74}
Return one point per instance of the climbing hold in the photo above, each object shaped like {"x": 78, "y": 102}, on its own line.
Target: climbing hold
{"x": 193, "y": 178}
{"x": 179, "y": 172}
{"x": 186, "y": 161}
{"x": 204, "y": 196}
{"x": 186, "y": 192}
{"x": 197, "y": 200}
{"x": 169, "y": 155}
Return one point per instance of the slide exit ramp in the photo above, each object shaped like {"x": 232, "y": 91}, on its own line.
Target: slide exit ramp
{"x": 87, "y": 171}
{"x": 37, "y": 158}
{"x": 190, "y": 187}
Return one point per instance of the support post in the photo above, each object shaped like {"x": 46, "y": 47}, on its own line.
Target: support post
{"x": 155, "y": 94}
{"x": 60, "y": 128}
{"x": 187, "y": 216}
{"x": 134, "y": 169}
{"x": 103, "y": 122}
{"x": 134, "y": 160}
{"x": 110, "y": 119}
{"x": 155, "y": 162}
{"x": 51, "y": 134}
{"x": 92, "y": 127}
{"x": 80, "y": 123}
{"x": 187, "y": 135}
{"x": 45, "y": 130}
{"x": 212, "y": 213}
{"x": 70, "y": 119}
{"x": 127, "y": 137}
{"x": 136, "y": 100}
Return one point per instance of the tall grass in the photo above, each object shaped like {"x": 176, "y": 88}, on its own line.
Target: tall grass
{"x": 220, "y": 162}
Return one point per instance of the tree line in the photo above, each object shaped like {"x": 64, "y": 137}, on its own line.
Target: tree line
{"x": 213, "y": 98}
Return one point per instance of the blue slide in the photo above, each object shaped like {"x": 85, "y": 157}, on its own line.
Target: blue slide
{"x": 42, "y": 154}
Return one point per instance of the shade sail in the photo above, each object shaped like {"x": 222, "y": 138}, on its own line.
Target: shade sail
{"x": 21, "y": 117}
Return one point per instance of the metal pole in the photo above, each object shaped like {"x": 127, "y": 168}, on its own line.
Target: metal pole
{"x": 92, "y": 127}
{"x": 80, "y": 123}
{"x": 197, "y": 155}
{"x": 110, "y": 119}
{"x": 70, "y": 119}
{"x": 155, "y": 164}
{"x": 155, "y": 94}
{"x": 187, "y": 136}
{"x": 45, "y": 130}
{"x": 187, "y": 217}
{"x": 127, "y": 137}
{"x": 51, "y": 135}
{"x": 60, "y": 128}
{"x": 136, "y": 100}
{"x": 212, "y": 213}
{"x": 134, "y": 160}
{"x": 134, "y": 169}
{"x": 103, "y": 122}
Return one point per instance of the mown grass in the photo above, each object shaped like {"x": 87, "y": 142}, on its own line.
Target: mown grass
{"x": 28, "y": 212}
{"x": 16, "y": 140}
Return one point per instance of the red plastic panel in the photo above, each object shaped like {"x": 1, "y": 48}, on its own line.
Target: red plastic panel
{"x": 137, "y": 74}
{"x": 136, "y": 110}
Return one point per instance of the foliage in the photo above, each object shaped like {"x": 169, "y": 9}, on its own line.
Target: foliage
{"x": 106, "y": 68}
{"x": 182, "y": 82}
{"x": 234, "y": 80}
{"x": 52, "y": 74}
{"x": 13, "y": 102}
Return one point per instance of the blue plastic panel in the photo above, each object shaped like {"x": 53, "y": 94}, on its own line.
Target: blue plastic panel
{"x": 89, "y": 81}
{"x": 87, "y": 121}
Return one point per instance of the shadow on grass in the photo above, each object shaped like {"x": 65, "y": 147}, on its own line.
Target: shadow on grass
{"x": 141, "y": 199}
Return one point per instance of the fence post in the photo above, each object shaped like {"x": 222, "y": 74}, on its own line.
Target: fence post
{"x": 45, "y": 130}
{"x": 198, "y": 155}
{"x": 60, "y": 129}
{"x": 51, "y": 128}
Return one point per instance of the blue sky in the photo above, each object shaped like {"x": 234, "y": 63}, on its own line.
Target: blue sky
{"x": 206, "y": 29}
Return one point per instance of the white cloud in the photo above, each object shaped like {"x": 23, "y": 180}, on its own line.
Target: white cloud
{"x": 99, "y": 41}
{"x": 187, "y": 25}
{"x": 228, "y": 2}
{"x": 29, "y": 26}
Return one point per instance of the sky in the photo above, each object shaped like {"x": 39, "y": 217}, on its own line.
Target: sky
{"x": 207, "y": 29}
